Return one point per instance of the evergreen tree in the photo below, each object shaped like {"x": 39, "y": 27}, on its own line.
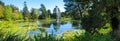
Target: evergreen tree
{"x": 44, "y": 13}
{"x": 1, "y": 3}
{"x": 74, "y": 9}
{"x": 49, "y": 13}
{"x": 26, "y": 14}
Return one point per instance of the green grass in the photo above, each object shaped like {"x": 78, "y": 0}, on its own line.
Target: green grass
{"x": 64, "y": 19}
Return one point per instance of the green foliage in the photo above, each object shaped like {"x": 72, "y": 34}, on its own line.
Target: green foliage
{"x": 15, "y": 13}
{"x": 74, "y": 9}
{"x": 49, "y": 13}
{"x": 65, "y": 14}
{"x": 89, "y": 37}
{"x": 95, "y": 17}
{"x": 1, "y": 3}
{"x": 93, "y": 21}
{"x": 34, "y": 14}
{"x": 17, "y": 16}
{"x": 105, "y": 29}
{"x": 1, "y": 11}
{"x": 8, "y": 12}
{"x": 26, "y": 14}
{"x": 94, "y": 9}
{"x": 7, "y": 29}
{"x": 44, "y": 13}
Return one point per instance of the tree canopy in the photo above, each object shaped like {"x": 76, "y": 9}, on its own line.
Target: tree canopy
{"x": 93, "y": 13}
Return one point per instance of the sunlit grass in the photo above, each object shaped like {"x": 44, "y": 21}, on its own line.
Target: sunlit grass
{"x": 64, "y": 19}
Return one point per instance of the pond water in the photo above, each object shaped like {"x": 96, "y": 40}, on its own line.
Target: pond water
{"x": 55, "y": 27}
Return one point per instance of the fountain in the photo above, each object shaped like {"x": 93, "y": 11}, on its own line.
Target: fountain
{"x": 57, "y": 14}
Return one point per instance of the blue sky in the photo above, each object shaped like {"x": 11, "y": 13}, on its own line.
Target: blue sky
{"x": 49, "y": 4}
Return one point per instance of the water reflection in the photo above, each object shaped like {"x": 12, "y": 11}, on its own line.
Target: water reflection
{"x": 33, "y": 31}
{"x": 51, "y": 27}
{"x": 57, "y": 28}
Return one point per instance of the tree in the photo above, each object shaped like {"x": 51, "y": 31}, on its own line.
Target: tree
{"x": 26, "y": 14}
{"x": 34, "y": 14}
{"x": 96, "y": 18}
{"x": 49, "y": 13}
{"x": 1, "y": 3}
{"x": 1, "y": 9}
{"x": 54, "y": 14}
{"x": 73, "y": 8}
{"x": 94, "y": 10}
{"x": 8, "y": 12}
{"x": 15, "y": 13}
{"x": 44, "y": 13}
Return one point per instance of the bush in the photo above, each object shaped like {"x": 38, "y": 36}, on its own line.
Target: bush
{"x": 96, "y": 37}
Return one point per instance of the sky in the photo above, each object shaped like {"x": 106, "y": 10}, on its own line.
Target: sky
{"x": 49, "y": 4}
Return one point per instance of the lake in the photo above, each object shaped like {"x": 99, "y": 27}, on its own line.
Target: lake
{"x": 53, "y": 27}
